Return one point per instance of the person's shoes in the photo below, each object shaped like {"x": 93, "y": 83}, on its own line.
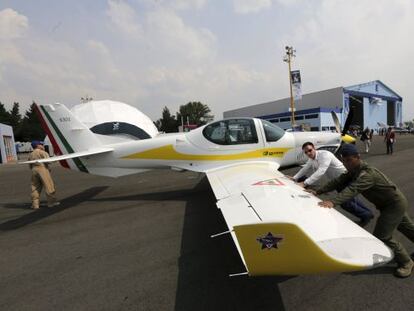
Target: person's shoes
{"x": 365, "y": 221}
{"x": 53, "y": 204}
{"x": 404, "y": 270}
{"x": 35, "y": 207}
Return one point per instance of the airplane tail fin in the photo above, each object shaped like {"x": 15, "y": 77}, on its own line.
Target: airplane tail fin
{"x": 67, "y": 134}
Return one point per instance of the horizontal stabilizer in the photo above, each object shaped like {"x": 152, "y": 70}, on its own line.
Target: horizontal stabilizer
{"x": 71, "y": 155}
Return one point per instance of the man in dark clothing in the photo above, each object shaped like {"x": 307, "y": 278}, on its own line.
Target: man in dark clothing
{"x": 390, "y": 140}
{"x": 384, "y": 194}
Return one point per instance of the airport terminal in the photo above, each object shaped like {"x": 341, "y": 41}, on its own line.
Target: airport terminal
{"x": 373, "y": 102}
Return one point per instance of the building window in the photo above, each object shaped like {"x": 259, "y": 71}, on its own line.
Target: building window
{"x": 314, "y": 128}
{"x": 311, "y": 116}
{"x": 298, "y": 117}
{"x": 274, "y": 120}
{"x": 285, "y": 119}
{"x": 231, "y": 132}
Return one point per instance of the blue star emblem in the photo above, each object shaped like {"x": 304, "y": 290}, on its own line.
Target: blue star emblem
{"x": 269, "y": 241}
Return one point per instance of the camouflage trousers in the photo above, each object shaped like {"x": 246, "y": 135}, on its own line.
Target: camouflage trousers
{"x": 395, "y": 218}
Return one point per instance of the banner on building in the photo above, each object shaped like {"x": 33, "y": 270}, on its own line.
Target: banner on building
{"x": 296, "y": 84}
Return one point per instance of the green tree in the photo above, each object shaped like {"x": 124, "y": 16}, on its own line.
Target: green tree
{"x": 15, "y": 116}
{"x": 4, "y": 115}
{"x": 16, "y": 121}
{"x": 167, "y": 123}
{"x": 31, "y": 128}
{"x": 195, "y": 113}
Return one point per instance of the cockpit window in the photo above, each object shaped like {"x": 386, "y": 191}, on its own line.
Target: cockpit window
{"x": 231, "y": 132}
{"x": 272, "y": 131}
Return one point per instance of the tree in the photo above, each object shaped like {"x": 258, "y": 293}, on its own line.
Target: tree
{"x": 167, "y": 123}
{"x": 195, "y": 113}
{"x": 4, "y": 115}
{"x": 31, "y": 128}
{"x": 15, "y": 121}
{"x": 15, "y": 116}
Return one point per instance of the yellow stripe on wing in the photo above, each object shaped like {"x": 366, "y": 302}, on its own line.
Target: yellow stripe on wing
{"x": 169, "y": 153}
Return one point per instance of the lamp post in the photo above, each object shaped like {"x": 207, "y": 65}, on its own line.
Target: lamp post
{"x": 290, "y": 53}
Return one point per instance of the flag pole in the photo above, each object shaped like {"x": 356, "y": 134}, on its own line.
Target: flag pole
{"x": 290, "y": 53}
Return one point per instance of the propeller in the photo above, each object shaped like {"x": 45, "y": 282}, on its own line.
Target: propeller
{"x": 345, "y": 138}
{"x": 336, "y": 122}
{"x": 347, "y": 122}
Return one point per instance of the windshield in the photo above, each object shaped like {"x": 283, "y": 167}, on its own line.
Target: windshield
{"x": 231, "y": 132}
{"x": 272, "y": 131}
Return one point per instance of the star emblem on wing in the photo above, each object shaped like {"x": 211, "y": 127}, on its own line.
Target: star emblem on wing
{"x": 269, "y": 241}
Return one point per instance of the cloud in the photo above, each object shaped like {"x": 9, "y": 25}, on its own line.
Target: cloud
{"x": 175, "y": 4}
{"x": 168, "y": 33}
{"x": 157, "y": 54}
{"x": 12, "y": 24}
{"x": 250, "y": 6}
{"x": 124, "y": 18}
{"x": 188, "y": 4}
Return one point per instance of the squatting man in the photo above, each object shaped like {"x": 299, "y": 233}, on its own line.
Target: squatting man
{"x": 377, "y": 188}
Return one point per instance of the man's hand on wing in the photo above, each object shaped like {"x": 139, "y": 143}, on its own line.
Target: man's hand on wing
{"x": 302, "y": 184}
{"x": 326, "y": 204}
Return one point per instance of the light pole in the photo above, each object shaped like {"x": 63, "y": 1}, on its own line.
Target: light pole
{"x": 290, "y": 53}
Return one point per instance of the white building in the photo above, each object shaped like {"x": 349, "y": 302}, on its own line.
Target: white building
{"x": 7, "y": 145}
{"x": 372, "y": 102}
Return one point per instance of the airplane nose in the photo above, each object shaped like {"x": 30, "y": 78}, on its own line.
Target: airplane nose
{"x": 348, "y": 139}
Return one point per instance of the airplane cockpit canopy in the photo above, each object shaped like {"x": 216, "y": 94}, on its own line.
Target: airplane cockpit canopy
{"x": 231, "y": 132}
{"x": 272, "y": 131}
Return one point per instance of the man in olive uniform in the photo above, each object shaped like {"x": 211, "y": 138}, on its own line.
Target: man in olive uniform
{"x": 41, "y": 177}
{"x": 384, "y": 194}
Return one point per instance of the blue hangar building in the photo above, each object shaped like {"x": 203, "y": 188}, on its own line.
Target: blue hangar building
{"x": 374, "y": 103}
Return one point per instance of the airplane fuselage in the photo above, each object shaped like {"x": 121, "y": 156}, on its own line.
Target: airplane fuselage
{"x": 202, "y": 150}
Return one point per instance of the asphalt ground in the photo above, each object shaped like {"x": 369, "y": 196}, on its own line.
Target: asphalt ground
{"x": 142, "y": 243}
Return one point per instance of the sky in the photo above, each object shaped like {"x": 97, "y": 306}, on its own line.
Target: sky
{"x": 227, "y": 54}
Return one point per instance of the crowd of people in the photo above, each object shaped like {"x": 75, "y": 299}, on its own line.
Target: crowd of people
{"x": 367, "y": 134}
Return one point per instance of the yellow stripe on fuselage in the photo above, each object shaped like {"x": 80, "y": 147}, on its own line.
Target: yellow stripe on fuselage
{"x": 169, "y": 153}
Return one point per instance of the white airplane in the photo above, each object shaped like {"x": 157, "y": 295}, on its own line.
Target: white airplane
{"x": 277, "y": 227}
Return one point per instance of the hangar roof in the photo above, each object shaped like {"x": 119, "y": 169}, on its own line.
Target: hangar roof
{"x": 330, "y": 98}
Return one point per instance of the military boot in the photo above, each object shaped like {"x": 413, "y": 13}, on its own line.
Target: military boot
{"x": 404, "y": 270}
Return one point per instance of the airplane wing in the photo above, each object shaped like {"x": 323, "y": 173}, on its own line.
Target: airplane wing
{"x": 71, "y": 155}
{"x": 279, "y": 229}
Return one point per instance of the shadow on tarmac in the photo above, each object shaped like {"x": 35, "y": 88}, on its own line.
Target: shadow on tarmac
{"x": 41, "y": 213}
{"x": 205, "y": 264}
{"x": 385, "y": 270}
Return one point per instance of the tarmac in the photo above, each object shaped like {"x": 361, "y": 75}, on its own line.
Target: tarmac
{"x": 142, "y": 242}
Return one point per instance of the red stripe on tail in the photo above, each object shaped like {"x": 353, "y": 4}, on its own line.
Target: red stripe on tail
{"x": 56, "y": 148}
